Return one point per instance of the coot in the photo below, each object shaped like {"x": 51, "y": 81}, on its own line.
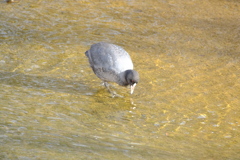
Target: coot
{"x": 111, "y": 63}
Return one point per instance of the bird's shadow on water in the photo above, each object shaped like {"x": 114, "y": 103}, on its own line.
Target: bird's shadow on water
{"x": 60, "y": 85}
{"x": 44, "y": 82}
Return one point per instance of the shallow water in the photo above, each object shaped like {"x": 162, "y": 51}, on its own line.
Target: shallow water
{"x": 186, "y": 105}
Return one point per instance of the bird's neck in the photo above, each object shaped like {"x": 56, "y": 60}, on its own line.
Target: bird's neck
{"x": 122, "y": 79}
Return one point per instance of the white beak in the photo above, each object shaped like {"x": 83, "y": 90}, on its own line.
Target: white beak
{"x": 132, "y": 87}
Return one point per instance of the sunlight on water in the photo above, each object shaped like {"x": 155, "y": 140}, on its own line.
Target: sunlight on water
{"x": 185, "y": 106}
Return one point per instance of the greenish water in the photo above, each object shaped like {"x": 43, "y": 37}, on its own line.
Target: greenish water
{"x": 186, "y": 105}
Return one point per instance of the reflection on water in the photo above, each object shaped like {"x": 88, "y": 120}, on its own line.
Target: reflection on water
{"x": 185, "y": 107}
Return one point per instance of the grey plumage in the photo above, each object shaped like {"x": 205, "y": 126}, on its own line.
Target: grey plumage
{"x": 112, "y": 63}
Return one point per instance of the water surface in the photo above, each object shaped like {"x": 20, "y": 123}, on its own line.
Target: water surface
{"x": 186, "y": 105}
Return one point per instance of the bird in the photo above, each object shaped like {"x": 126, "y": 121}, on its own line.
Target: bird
{"x": 111, "y": 63}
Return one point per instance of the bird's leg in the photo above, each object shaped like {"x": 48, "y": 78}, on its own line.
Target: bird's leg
{"x": 107, "y": 86}
{"x": 114, "y": 94}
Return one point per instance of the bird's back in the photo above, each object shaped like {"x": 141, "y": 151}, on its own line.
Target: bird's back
{"x": 109, "y": 57}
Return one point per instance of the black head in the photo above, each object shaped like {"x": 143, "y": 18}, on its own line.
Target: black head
{"x": 132, "y": 78}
